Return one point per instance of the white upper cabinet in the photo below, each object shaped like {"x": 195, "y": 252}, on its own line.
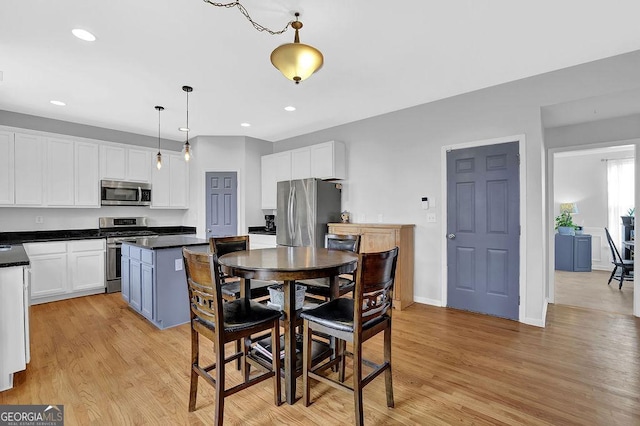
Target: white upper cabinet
{"x": 323, "y": 161}
{"x": 87, "y": 175}
{"x": 72, "y": 178}
{"x": 275, "y": 168}
{"x": 170, "y": 184}
{"x": 123, "y": 163}
{"x": 113, "y": 162}
{"x": 301, "y": 163}
{"x": 7, "y": 189}
{"x": 138, "y": 165}
{"x": 60, "y": 180}
{"x": 29, "y": 155}
{"x": 328, "y": 160}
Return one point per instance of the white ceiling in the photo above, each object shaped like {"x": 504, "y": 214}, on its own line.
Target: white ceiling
{"x": 379, "y": 57}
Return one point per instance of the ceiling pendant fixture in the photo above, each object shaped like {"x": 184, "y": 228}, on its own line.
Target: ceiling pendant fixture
{"x": 296, "y": 61}
{"x": 159, "y": 155}
{"x": 187, "y": 147}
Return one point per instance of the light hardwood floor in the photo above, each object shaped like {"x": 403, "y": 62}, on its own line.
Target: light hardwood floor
{"x": 108, "y": 366}
{"x": 590, "y": 290}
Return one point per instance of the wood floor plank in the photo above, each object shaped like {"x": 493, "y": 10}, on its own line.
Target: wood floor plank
{"x": 108, "y": 365}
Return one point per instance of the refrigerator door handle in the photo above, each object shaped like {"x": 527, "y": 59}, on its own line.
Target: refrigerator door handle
{"x": 290, "y": 214}
{"x": 293, "y": 213}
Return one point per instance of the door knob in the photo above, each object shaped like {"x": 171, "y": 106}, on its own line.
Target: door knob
{"x": 451, "y": 236}
{"x": 208, "y": 230}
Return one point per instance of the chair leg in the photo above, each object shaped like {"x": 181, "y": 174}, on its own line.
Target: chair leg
{"x": 219, "y": 399}
{"x": 388, "y": 377}
{"x": 238, "y": 349}
{"x": 622, "y": 275}
{"x": 244, "y": 365}
{"x": 357, "y": 383}
{"x": 612, "y": 274}
{"x": 341, "y": 347}
{"x": 275, "y": 344}
{"x": 306, "y": 362}
{"x": 195, "y": 350}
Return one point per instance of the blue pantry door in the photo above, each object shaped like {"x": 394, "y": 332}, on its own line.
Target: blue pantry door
{"x": 483, "y": 229}
{"x": 222, "y": 204}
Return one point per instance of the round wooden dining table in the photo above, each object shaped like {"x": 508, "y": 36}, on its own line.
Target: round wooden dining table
{"x": 288, "y": 264}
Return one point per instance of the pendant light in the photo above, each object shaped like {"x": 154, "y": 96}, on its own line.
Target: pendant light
{"x": 297, "y": 61}
{"x": 187, "y": 147}
{"x": 159, "y": 155}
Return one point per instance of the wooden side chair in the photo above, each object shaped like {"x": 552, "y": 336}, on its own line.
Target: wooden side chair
{"x": 626, "y": 265}
{"x": 231, "y": 285}
{"x": 320, "y": 287}
{"x": 355, "y": 320}
{"x": 222, "y": 323}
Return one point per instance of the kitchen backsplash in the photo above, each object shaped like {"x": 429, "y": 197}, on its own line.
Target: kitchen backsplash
{"x": 35, "y": 219}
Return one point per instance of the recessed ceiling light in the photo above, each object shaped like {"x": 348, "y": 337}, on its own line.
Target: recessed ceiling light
{"x": 289, "y": 108}
{"x": 58, "y": 103}
{"x": 245, "y": 124}
{"x": 83, "y": 34}
{"x": 183, "y": 129}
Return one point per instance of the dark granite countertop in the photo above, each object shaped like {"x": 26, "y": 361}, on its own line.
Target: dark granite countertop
{"x": 21, "y": 237}
{"x": 166, "y": 241}
{"x": 16, "y": 256}
{"x": 260, "y": 230}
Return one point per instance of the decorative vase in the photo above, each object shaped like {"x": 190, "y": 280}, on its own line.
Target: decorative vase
{"x": 566, "y": 230}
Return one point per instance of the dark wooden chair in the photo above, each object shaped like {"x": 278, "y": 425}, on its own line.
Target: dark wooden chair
{"x": 320, "y": 287}
{"x": 222, "y": 323}
{"x": 625, "y": 265}
{"x": 355, "y": 320}
{"x": 231, "y": 285}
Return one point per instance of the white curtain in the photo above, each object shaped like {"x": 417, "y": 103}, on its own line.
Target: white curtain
{"x": 620, "y": 177}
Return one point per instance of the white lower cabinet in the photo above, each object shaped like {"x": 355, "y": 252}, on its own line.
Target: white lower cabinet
{"x": 62, "y": 270}
{"x": 14, "y": 325}
{"x": 86, "y": 264}
{"x": 261, "y": 241}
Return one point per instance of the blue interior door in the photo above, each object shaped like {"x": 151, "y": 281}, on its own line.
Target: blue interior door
{"x": 483, "y": 229}
{"x": 222, "y": 204}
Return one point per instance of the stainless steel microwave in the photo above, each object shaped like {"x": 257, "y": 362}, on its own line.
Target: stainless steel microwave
{"x": 119, "y": 193}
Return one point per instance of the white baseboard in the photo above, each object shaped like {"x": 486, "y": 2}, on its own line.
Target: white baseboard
{"x": 427, "y": 301}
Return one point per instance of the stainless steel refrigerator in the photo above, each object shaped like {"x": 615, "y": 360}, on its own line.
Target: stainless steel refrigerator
{"x": 305, "y": 206}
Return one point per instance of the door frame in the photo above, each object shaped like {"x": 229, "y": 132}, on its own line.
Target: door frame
{"x": 550, "y": 218}
{"x": 523, "y": 224}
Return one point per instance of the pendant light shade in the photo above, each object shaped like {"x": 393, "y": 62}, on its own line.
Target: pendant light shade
{"x": 187, "y": 146}
{"x": 297, "y": 61}
{"x": 159, "y": 155}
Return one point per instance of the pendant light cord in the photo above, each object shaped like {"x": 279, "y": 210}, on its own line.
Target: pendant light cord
{"x": 244, "y": 11}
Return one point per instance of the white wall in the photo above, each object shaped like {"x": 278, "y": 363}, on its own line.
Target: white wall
{"x": 394, "y": 159}
{"x": 227, "y": 154}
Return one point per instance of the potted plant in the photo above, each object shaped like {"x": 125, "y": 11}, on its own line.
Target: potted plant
{"x": 628, "y": 220}
{"x": 564, "y": 224}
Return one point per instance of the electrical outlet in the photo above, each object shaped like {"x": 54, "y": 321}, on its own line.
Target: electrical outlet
{"x": 431, "y": 217}
{"x": 39, "y": 219}
{"x": 178, "y": 264}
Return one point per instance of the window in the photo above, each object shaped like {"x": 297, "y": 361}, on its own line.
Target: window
{"x": 620, "y": 182}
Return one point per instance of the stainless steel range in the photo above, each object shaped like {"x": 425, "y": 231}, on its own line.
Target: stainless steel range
{"x": 117, "y": 230}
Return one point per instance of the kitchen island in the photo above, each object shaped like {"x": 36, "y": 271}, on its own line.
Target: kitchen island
{"x": 14, "y": 313}
{"x": 153, "y": 277}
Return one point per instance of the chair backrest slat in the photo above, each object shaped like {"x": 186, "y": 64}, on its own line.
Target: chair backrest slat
{"x": 615, "y": 254}
{"x": 375, "y": 277}
{"x": 203, "y": 280}
{"x": 224, "y": 245}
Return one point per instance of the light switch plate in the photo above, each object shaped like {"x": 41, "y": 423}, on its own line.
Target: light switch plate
{"x": 178, "y": 264}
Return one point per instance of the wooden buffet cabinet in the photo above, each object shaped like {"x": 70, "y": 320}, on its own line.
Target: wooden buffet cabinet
{"x": 380, "y": 237}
